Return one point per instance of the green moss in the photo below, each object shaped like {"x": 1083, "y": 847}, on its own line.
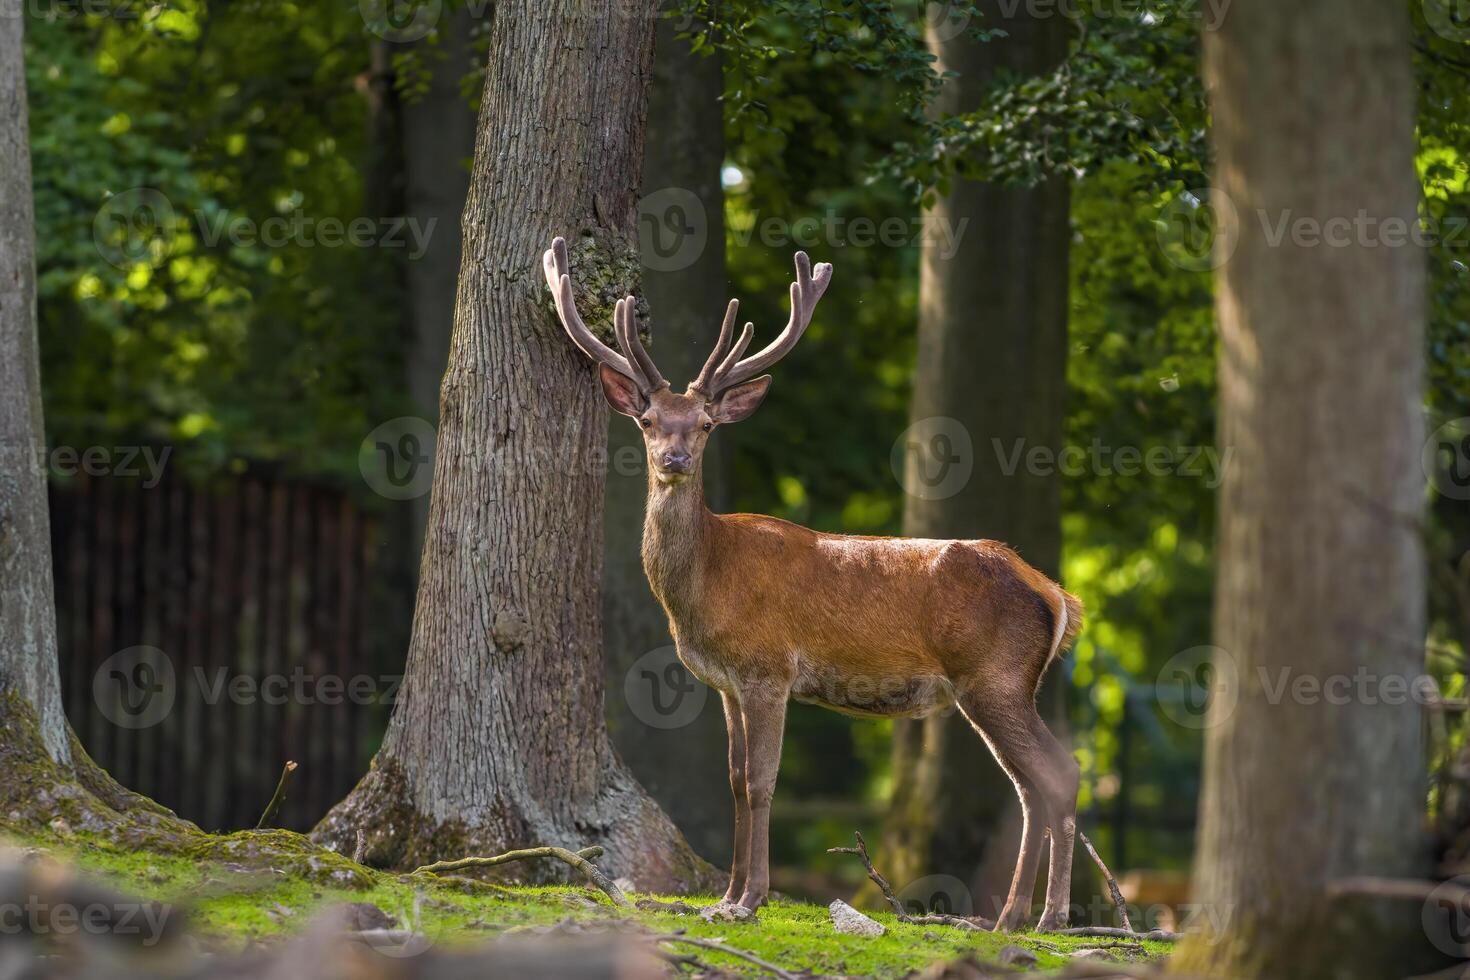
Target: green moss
{"x": 228, "y": 904}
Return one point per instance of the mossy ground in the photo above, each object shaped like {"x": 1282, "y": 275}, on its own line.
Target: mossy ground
{"x": 228, "y": 906}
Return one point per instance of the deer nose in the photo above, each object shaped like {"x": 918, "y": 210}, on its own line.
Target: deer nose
{"x": 678, "y": 462}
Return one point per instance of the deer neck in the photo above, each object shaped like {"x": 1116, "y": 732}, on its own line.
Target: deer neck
{"x": 676, "y": 529}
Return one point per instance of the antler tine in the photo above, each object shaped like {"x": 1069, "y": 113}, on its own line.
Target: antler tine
{"x": 707, "y": 373}
{"x": 558, "y": 277}
{"x": 805, "y": 292}
{"x": 722, "y": 373}
{"x": 626, "y": 327}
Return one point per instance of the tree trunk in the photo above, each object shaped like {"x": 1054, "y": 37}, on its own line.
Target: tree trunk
{"x": 28, "y": 665}
{"x": 498, "y": 739}
{"x": 1321, "y": 571}
{"x": 665, "y": 724}
{"x": 991, "y": 371}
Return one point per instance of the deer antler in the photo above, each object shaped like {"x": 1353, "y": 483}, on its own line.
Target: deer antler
{"x": 726, "y": 368}
{"x": 637, "y": 367}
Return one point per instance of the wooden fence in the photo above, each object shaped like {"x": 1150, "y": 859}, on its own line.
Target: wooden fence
{"x": 256, "y": 595}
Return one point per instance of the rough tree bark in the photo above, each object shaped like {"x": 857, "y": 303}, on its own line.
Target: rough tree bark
{"x": 992, "y": 356}
{"x": 498, "y": 739}
{"x": 1320, "y": 567}
{"x": 676, "y": 753}
{"x": 28, "y": 666}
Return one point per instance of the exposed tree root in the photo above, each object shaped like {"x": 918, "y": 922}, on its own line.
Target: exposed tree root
{"x": 579, "y": 860}
{"x": 40, "y": 797}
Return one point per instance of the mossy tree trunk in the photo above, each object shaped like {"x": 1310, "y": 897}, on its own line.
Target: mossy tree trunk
{"x": 992, "y": 356}
{"x": 676, "y": 753}
{"x": 28, "y": 664}
{"x": 1320, "y": 566}
{"x": 498, "y": 738}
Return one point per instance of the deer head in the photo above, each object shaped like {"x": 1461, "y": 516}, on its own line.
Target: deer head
{"x": 729, "y": 388}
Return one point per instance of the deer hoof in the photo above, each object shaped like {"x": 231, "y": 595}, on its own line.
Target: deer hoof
{"x": 1011, "y": 920}
{"x": 1051, "y": 923}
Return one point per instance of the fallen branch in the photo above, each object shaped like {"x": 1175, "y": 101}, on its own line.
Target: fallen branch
{"x": 1108, "y": 932}
{"x": 976, "y": 924}
{"x": 1108, "y": 877}
{"x": 277, "y": 799}
{"x": 770, "y": 968}
{"x": 579, "y": 860}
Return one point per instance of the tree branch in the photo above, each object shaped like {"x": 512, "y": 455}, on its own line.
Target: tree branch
{"x": 579, "y": 860}
{"x": 277, "y": 799}
{"x": 976, "y": 924}
{"x": 1108, "y": 877}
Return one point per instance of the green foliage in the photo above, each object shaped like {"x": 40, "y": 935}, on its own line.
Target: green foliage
{"x": 161, "y": 148}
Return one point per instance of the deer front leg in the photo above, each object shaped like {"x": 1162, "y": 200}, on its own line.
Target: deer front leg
{"x": 764, "y": 717}
{"x": 740, "y": 863}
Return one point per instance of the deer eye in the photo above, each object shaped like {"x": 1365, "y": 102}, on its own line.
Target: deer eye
{"x": 646, "y": 423}
{"x": 708, "y": 426}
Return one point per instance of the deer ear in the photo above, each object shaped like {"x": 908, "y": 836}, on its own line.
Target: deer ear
{"x": 741, "y": 401}
{"x": 621, "y": 393}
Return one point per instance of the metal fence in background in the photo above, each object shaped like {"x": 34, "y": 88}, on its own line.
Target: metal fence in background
{"x": 207, "y": 635}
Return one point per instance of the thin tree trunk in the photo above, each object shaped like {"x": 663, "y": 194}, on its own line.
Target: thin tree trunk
{"x": 667, "y": 725}
{"x": 28, "y": 664}
{"x": 992, "y": 358}
{"x": 498, "y": 739}
{"x": 1320, "y": 567}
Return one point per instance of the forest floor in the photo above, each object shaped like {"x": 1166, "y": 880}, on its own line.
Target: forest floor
{"x": 230, "y": 908}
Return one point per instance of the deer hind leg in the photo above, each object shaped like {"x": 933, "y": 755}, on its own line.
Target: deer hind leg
{"x": 740, "y": 862}
{"x": 1062, "y": 777}
{"x": 1033, "y": 759}
{"x": 764, "y": 717}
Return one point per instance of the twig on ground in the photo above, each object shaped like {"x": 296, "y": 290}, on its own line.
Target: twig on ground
{"x": 976, "y": 924}
{"x": 1108, "y": 932}
{"x": 360, "y": 851}
{"x": 1108, "y": 877}
{"x": 580, "y": 860}
{"x": 771, "y": 968}
{"x": 277, "y": 799}
{"x": 862, "y": 851}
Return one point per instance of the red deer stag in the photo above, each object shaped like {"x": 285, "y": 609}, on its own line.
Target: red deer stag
{"x": 764, "y": 610}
